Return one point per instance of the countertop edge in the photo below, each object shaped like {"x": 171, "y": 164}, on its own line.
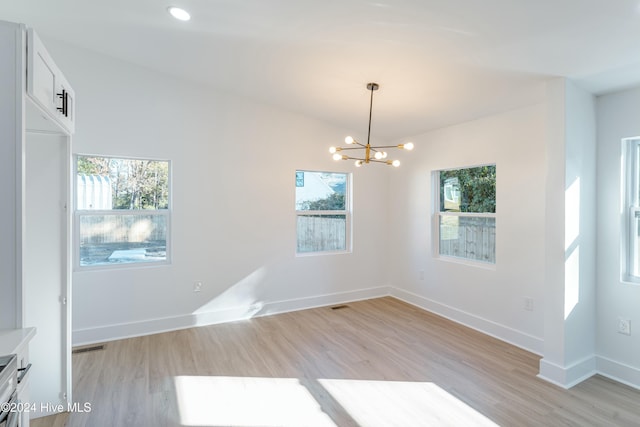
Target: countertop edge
{"x": 12, "y": 339}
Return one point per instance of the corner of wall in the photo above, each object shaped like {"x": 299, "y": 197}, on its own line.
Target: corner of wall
{"x": 567, "y": 376}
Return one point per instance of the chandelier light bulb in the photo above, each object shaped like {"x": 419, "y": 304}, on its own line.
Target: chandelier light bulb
{"x": 337, "y": 156}
{"x": 348, "y": 140}
{"x": 407, "y": 146}
{"x": 358, "y": 163}
{"x": 332, "y": 150}
{"x": 395, "y": 163}
{"x": 384, "y": 154}
{"x": 378, "y": 155}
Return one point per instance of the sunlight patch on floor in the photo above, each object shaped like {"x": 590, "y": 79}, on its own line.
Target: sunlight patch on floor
{"x": 394, "y": 403}
{"x": 247, "y": 402}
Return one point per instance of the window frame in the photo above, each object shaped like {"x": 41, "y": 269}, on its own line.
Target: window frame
{"x": 630, "y": 246}
{"x": 78, "y": 213}
{"x": 438, "y": 215}
{"x": 347, "y": 212}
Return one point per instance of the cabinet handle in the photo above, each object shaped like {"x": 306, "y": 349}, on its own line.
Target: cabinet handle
{"x": 23, "y": 372}
{"x": 64, "y": 96}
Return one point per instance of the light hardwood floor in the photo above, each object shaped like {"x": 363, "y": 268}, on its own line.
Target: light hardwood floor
{"x": 375, "y": 363}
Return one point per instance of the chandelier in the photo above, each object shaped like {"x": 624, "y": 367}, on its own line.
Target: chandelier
{"x": 371, "y": 153}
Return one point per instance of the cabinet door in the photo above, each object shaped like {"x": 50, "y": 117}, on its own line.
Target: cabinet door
{"x": 46, "y": 286}
{"x": 47, "y": 86}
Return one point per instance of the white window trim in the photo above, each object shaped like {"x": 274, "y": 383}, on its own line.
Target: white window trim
{"x": 347, "y": 212}
{"x": 437, "y": 215}
{"x": 630, "y": 248}
{"x": 77, "y": 213}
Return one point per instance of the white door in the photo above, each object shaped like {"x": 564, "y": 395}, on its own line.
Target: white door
{"x": 46, "y": 271}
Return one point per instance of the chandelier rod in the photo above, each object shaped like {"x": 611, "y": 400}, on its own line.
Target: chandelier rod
{"x": 371, "y": 87}
{"x": 370, "y": 110}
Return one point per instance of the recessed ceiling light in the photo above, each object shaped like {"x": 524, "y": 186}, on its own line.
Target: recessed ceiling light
{"x": 179, "y": 13}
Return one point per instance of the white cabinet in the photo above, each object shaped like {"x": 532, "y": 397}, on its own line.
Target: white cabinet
{"x": 24, "y": 367}
{"x": 16, "y": 341}
{"x": 36, "y": 126}
{"x": 47, "y": 86}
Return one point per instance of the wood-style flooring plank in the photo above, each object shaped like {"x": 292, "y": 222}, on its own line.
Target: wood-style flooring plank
{"x": 374, "y": 363}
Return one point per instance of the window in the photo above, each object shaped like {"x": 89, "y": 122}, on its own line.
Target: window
{"x": 322, "y": 212}
{"x": 122, "y": 211}
{"x": 466, "y": 213}
{"x": 631, "y": 263}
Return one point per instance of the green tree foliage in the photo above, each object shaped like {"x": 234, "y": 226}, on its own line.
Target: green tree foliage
{"x": 477, "y": 188}
{"x": 93, "y": 165}
{"x": 334, "y": 202}
{"x": 135, "y": 184}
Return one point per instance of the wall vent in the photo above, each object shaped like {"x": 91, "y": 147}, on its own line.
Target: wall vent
{"x": 88, "y": 349}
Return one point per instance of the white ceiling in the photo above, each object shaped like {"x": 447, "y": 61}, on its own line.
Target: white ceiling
{"x": 438, "y": 62}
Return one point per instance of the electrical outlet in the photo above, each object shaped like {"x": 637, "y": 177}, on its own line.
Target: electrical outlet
{"x": 624, "y": 326}
{"x": 197, "y": 286}
{"x": 528, "y": 303}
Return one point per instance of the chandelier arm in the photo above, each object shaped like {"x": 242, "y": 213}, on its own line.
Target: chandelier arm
{"x": 384, "y": 146}
{"x": 349, "y": 148}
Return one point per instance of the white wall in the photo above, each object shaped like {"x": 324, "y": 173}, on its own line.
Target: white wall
{"x": 569, "y": 347}
{"x": 233, "y": 223}
{"x": 619, "y": 355}
{"x": 489, "y": 299}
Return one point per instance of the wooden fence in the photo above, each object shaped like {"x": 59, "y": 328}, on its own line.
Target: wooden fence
{"x": 99, "y": 229}
{"x": 322, "y": 233}
{"x": 102, "y": 235}
{"x": 469, "y": 238}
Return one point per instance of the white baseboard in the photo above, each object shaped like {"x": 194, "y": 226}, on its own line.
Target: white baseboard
{"x": 619, "y": 372}
{"x": 153, "y": 326}
{"x": 568, "y": 376}
{"x": 565, "y": 377}
{"x": 488, "y": 327}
